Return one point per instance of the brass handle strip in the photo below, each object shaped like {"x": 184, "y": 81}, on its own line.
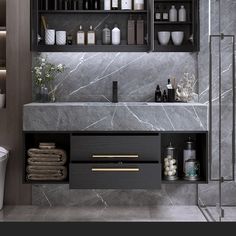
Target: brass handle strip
{"x": 115, "y": 156}
{"x": 115, "y": 169}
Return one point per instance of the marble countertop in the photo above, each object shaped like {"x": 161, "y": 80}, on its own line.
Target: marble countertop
{"x": 123, "y": 116}
{"x": 60, "y": 104}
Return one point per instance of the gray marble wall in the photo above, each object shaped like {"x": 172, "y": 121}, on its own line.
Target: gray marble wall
{"x": 89, "y": 76}
{"x": 89, "y": 79}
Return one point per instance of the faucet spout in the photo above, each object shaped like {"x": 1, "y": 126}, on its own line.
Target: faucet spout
{"x": 115, "y": 92}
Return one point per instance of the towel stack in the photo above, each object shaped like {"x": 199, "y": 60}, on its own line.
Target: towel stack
{"x": 46, "y": 163}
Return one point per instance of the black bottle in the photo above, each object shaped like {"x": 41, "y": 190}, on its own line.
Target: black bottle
{"x": 158, "y": 94}
{"x": 164, "y": 97}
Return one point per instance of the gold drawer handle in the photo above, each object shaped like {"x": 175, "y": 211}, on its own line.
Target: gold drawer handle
{"x": 115, "y": 169}
{"x": 115, "y": 156}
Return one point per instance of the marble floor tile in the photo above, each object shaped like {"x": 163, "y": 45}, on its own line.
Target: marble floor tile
{"x": 102, "y": 214}
{"x": 229, "y": 214}
{"x": 176, "y": 213}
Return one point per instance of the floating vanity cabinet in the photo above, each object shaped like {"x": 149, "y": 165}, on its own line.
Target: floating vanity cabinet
{"x": 115, "y": 161}
{"x": 115, "y": 148}
{"x": 115, "y": 176}
{"x": 61, "y": 17}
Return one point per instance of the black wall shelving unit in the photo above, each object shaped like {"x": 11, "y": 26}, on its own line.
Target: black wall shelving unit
{"x": 69, "y": 20}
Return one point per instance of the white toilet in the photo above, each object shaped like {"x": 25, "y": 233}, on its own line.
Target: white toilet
{"x": 3, "y": 165}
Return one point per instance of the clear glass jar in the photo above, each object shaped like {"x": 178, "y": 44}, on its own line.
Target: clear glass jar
{"x": 170, "y": 164}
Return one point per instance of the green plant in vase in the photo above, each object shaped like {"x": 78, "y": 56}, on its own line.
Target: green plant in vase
{"x": 44, "y": 74}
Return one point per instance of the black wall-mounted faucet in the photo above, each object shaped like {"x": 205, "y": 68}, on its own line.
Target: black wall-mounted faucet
{"x": 115, "y": 91}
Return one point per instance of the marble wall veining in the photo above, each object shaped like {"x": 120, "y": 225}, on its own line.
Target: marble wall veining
{"x": 89, "y": 76}
{"x": 90, "y": 79}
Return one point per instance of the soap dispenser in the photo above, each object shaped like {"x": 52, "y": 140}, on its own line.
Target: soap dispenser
{"x": 158, "y": 94}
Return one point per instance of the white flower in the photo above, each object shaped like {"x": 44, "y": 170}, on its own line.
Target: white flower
{"x": 60, "y": 66}
{"x": 43, "y": 60}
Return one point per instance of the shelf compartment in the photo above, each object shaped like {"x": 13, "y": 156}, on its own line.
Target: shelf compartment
{"x": 32, "y": 140}
{"x": 178, "y": 140}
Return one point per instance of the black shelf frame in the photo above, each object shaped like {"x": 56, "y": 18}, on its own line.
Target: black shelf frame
{"x": 190, "y": 27}
{"x": 151, "y": 42}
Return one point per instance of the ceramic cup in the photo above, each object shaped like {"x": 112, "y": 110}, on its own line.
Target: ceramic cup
{"x": 49, "y": 36}
{"x": 2, "y": 100}
{"x": 61, "y": 37}
{"x": 164, "y": 37}
{"x": 177, "y": 37}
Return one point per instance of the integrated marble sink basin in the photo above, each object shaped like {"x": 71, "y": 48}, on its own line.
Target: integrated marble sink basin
{"x": 122, "y": 116}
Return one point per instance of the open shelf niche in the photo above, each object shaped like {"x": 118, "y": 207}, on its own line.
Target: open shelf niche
{"x": 190, "y": 27}
{"x": 67, "y": 19}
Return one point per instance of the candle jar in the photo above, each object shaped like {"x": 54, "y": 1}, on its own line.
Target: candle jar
{"x": 170, "y": 164}
{"x": 192, "y": 169}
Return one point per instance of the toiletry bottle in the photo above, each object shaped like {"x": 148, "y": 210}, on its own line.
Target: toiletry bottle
{"x": 91, "y": 36}
{"x": 126, "y": 4}
{"x": 140, "y": 31}
{"x": 164, "y": 97}
{"x": 96, "y": 5}
{"x": 80, "y": 36}
{"x": 138, "y": 5}
{"x": 182, "y": 14}
{"x": 158, "y": 14}
{"x": 158, "y": 94}
{"x": 107, "y": 5}
{"x": 173, "y": 14}
{"x": 165, "y": 14}
{"x": 116, "y": 35}
{"x": 114, "y": 4}
{"x": 131, "y": 31}
{"x": 171, "y": 91}
{"x": 86, "y": 5}
{"x": 106, "y": 35}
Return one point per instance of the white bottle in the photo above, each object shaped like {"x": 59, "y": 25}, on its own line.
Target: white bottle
{"x": 91, "y": 36}
{"x": 182, "y": 14}
{"x": 138, "y": 5}
{"x": 107, "y": 5}
{"x": 80, "y": 36}
{"x": 173, "y": 14}
{"x": 126, "y": 4}
{"x": 116, "y": 35}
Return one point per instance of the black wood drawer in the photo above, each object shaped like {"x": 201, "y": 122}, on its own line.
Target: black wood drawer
{"x": 115, "y": 176}
{"x": 97, "y": 148}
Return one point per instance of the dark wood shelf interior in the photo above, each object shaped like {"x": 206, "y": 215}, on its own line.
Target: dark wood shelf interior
{"x": 178, "y": 140}
{"x": 32, "y": 140}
